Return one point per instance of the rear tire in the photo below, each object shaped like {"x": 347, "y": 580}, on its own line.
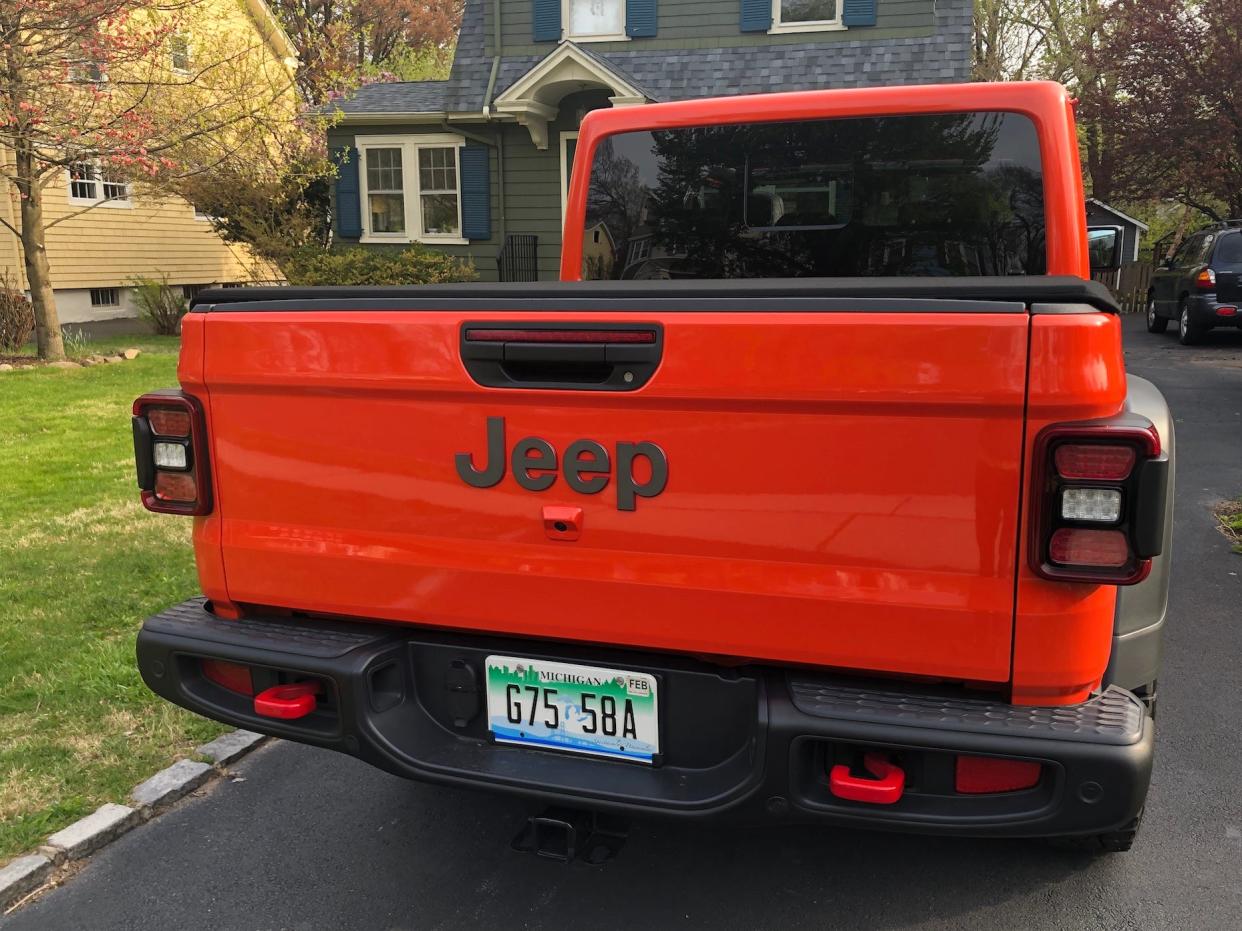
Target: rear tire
{"x": 1188, "y": 333}
{"x": 1155, "y": 323}
{"x": 1118, "y": 841}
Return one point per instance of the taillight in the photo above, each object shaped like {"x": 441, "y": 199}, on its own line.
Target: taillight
{"x": 1226, "y": 310}
{"x": 1206, "y": 280}
{"x": 1098, "y": 493}
{"x": 170, "y": 452}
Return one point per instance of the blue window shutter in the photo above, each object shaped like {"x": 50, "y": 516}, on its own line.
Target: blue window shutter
{"x": 545, "y": 16}
{"x": 476, "y": 192}
{"x": 756, "y": 15}
{"x": 640, "y": 18}
{"x": 348, "y": 196}
{"x": 858, "y": 13}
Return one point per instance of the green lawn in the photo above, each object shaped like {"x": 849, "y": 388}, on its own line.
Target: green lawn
{"x": 81, "y": 564}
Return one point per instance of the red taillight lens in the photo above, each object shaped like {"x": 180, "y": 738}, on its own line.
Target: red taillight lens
{"x": 1105, "y": 549}
{"x": 1205, "y": 280}
{"x": 167, "y": 422}
{"x": 1094, "y": 461}
{"x": 1226, "y": 311}
{"x": 178, "y": 487}
{"x": 233, "y": 676}
{"x": 1111, "y": 472}
{"x": 981, "y": 775}
{"x": 170, "y": 451}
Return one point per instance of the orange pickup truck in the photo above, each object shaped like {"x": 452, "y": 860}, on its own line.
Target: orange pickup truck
{"x": 828, "y": 500}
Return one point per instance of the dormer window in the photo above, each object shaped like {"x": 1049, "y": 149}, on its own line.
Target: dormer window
{"x": 806, "y": 15}
{"x": 594, "y": 20}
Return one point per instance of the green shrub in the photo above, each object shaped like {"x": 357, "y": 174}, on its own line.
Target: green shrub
{"x": 17, "y": 320}
{"x": 160, "y": 304}
{"x": 360, "y": 265}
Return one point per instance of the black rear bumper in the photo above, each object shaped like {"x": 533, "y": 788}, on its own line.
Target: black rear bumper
{"x": 745, "y": 744}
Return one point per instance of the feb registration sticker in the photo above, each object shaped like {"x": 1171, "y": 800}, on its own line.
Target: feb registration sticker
{"x": 580, "y": 709}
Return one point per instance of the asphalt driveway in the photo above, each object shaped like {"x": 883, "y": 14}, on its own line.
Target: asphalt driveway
{"x": 309, "y": 839}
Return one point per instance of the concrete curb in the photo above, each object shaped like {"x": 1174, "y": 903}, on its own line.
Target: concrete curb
{"x": 170, "y": 784}
{"x": 23, "y": 876}
{"x": 26, "y": 876}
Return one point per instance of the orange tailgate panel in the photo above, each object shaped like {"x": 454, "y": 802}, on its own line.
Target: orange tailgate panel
{"x": 843, "y": 487}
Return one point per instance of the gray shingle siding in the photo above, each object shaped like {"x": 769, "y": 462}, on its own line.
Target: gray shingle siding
{"x": 732, "y": 63}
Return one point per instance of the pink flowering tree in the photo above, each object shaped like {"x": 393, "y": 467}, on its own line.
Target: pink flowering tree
{"x": 110, "y": 87}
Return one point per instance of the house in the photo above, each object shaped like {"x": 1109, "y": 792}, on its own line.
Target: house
{"x": 1112, "y": 236}
{"x": 478, "y": 165}
{"x": 107, "y": 232}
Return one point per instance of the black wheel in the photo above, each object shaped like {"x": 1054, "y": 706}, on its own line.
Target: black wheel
{"x": 1155, "y": 323}
{"x": 1118, "y": 841}
{"x": 1188, "y": 333}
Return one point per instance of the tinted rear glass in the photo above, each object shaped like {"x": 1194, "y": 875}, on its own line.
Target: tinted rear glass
{"x": 958, "y": 194}
{"x": 1229, "y": 252}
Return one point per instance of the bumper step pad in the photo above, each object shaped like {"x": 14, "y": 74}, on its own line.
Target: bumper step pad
{"x": 1113, "y": 717}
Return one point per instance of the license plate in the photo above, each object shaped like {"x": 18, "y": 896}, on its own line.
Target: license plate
{"x": 581, "y": 709}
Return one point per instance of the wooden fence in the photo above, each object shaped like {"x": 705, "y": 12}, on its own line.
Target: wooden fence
{"x": 1129, "y": 284}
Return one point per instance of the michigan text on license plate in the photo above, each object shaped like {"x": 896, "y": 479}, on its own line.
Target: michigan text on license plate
{"x": 563, "y": 706}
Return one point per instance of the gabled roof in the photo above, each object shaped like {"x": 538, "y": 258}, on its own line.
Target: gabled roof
{"x": 273, "y": 33}
{"x": 1117, "y": 213}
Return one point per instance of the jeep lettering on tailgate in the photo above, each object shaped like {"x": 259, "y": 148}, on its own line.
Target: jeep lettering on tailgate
{"x": 587, "y": 466}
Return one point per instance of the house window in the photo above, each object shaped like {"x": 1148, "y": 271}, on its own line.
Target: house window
{"x": 385, "y": 191}
{"x": 411, "y": 188}
{"x": 594, "y": 19}
{"x": 179, "y": 53}
{"x": 805, "y": 15}
{"x": 105, "y": 297}
{"x": 89, "y": 183}
{"x": 437, "y": 192}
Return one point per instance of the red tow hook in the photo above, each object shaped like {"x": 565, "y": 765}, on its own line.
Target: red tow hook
{"x": 884, "y": 789}
{"x": 295, "y": 700}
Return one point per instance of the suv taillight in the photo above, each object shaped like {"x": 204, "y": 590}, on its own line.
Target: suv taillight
{"x": 1098, "y": 494}
{"x": 170, "y": 451}
{"x": 1206, "y": 280}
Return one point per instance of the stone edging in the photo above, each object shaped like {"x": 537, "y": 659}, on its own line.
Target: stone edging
{"x": 124, "y": 355}
{"x": 25, "y": 877}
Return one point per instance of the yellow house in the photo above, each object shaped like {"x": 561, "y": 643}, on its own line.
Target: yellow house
{"x": 96, "y": 253}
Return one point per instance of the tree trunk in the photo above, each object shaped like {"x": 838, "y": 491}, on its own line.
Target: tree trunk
{"x": 38, "y": 271}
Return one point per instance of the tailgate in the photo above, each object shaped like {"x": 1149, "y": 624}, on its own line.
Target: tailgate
{"x": 842, "y": 487}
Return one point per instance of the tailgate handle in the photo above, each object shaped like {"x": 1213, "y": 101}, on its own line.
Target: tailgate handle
{"x": 578, "y": 356}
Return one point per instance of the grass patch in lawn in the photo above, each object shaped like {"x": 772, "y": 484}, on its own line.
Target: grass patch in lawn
{"x": 81, "y": 564}
{"x": 1229, "y": 515}
{"x": 77, "y": 347}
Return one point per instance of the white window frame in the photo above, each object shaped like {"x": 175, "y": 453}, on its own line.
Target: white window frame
{"x": 819, "y": 25}
{"x": 409, "y": 146}
{"x": 123, "y": 203}
{"x": 566, "y": 138}
{"x": 189, "y": 54}
{"x": 566, "y": 35}
{"x": 114, "y": 292}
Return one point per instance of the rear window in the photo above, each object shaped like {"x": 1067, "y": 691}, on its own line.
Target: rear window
{"x": 1229, "y": 252}
{"x": 944, "y": 195}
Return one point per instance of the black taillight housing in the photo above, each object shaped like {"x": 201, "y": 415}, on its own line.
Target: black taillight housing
{"x": 170, "y": 453}
{"x": 1097, "y": 501}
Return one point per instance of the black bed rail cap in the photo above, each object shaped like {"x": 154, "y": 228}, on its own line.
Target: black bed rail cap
{"x": 1025, "y": 289}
